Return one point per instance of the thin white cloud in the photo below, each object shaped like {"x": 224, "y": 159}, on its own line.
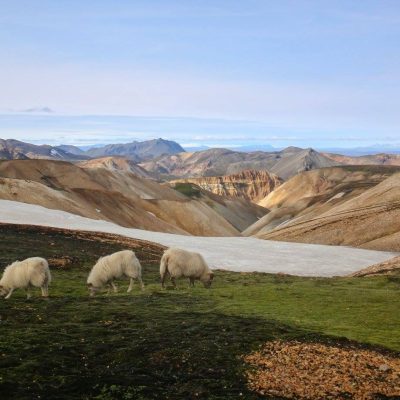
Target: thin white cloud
{"x": 306, "y": 105}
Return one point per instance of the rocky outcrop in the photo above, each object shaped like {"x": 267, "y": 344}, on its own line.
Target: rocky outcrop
{"x": 250, "y": 184}
{"x": 389, "y": 267}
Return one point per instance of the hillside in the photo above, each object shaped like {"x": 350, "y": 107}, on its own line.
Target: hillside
{"x": 152, "y": 331}
{"x": 251, "y": 185}
{"x": 352, "y": 206}
{"x": 120, "y": 197}
{"x": 11, "y": 149}
{"x": 117, "y": 164}
{"x": 219, "y": 162}
{"x": 240, "y": 212}
{"x": 137, "y": 151}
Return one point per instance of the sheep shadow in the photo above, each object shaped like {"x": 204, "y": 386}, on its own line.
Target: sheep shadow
{"x": 143, "y": 347}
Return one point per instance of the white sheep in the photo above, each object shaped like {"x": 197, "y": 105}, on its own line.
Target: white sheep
{"x": 33, "y": 271}
{"x": 114, "y": 266}
{"x": 178, "y": 262}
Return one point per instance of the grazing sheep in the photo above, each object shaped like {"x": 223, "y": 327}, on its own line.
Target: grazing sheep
{"x": 178, "y": 262}
{"x": 114, "y": 266}
{"x": 25, "y": 274}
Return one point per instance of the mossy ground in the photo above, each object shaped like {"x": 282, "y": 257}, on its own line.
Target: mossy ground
{"x": 171, "y": 344}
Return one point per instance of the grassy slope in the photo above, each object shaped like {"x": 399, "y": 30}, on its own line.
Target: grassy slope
{"x": 168, "y": 344}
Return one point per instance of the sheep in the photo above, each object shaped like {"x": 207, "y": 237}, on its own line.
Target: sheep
{"x": 114, "y": 266}
{"x": 178, "y": 262}
{"x": 24, "y": 274}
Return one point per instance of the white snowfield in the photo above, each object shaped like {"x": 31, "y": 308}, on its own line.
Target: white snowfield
{"x": 230, "y": 253}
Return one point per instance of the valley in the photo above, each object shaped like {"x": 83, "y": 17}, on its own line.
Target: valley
{"x": 293, "y": 195}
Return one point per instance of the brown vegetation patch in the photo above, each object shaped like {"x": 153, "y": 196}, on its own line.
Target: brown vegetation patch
{"x": 62, "y": 262}
{"x": 298, "y": 370}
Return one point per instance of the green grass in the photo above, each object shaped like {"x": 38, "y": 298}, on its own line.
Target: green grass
{"x": 171, "y": 344}
{"x": 188, "y": 189}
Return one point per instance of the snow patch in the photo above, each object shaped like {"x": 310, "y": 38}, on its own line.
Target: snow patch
{"x": 231, "y": 253}
{"x": 55, "y": 153}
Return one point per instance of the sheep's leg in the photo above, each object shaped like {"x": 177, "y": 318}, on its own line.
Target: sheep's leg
{"x": 28, "y": 293}
{"x": 163, "y": 280}
{"x": 191, "y": 282}
{"x": 173, "y": 282}
{"x": 141, "y": 283}
{"x": 131, "y": 282}
{"x": 9, "y": 294}
{"x": 45, "y": 290}
{"x": 114, "y": 287}
{"x": 108, "y": 289}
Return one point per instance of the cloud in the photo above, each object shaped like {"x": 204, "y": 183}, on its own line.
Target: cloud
{"x": 295, "y": 105}
{"x": 40, "y": 110}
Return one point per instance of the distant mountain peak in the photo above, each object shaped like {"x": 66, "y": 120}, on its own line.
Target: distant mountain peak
{"x": 138, "y": 151}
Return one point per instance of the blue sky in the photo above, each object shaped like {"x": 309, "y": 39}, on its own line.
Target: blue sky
{"x": 308, "y": 73}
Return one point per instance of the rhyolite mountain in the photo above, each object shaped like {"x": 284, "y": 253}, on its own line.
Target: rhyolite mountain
{"x": 355, "y": 206}
{"x": 218, "y": 162}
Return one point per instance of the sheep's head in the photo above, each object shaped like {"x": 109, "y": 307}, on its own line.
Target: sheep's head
{"x": 207, "y": 280}
{"x": 92, "y": 289}
{"x": 3, "y": 291}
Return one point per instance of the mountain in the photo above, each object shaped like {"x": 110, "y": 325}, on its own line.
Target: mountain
{"x": 351, "y": 205}
{"x": 363, "y": 151}
{"x": 71, "y": 149}
{"x": 11, "y": 149}
{"x": 117, "y": 164}
{"x": 372, "y": 159}
{"x": 219, "y": 162}
{"x": 137, "y": 151}
{"x": 123, "y": 198}
{"x": 251, "y": 185}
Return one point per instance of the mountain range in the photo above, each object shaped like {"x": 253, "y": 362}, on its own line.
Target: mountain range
{"x": 294, "y": 194}
{"x": 219, "y": 162}
{"x": 11, "y": 149}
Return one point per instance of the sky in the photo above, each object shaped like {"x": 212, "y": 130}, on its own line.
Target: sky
{"x": 285, "y": 72}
